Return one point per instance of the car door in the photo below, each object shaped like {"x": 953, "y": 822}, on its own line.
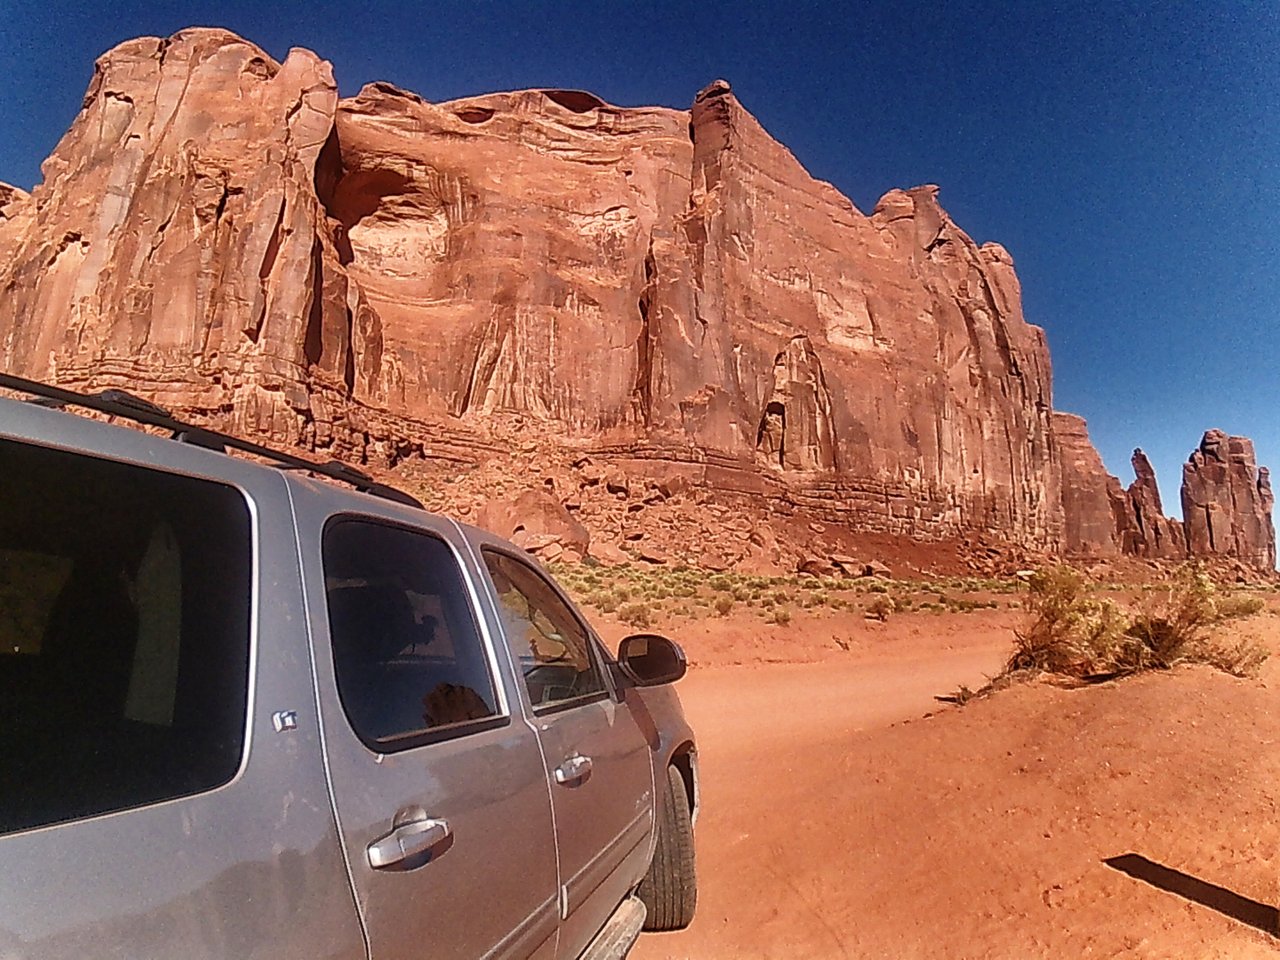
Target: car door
{"x": 441, "y": 794}
{"x": 597, "y": 753}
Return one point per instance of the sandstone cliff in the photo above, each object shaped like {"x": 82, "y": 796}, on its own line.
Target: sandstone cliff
{"x": 1227, "y": 502}
{"x": 668, "y": 291}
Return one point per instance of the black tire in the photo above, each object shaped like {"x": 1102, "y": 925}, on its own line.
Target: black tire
{"x": 669, "y": 890}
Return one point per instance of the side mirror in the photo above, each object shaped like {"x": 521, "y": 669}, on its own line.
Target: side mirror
{"x": 648, "y": 660}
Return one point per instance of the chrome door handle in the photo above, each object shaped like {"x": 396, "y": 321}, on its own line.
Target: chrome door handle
{"x": 573, "y": 769}
{"x": 405, "y": 841}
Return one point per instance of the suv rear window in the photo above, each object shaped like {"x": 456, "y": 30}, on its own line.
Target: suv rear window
{"x": 124, "y": 635}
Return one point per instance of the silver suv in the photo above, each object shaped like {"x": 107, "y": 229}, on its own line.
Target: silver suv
{"x": 246, "y": 712}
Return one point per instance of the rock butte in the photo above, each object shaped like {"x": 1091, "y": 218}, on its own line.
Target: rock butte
{"x": 664, "y": 292}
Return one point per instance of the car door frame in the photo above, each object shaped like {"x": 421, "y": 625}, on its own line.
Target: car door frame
{"x": 537, "y": 935}
{"x": 576, "y": 926}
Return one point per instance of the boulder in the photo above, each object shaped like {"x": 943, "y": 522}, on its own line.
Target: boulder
{"x": 534, "y": 520}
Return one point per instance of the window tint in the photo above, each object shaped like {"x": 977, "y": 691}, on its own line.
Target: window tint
{"x": 124, "y": 635}
{"x": 406, "y": 652}
{"x": 551, "y": 645}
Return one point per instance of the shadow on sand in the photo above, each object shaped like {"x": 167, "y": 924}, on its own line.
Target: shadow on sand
{"x": 1255, "y": 914}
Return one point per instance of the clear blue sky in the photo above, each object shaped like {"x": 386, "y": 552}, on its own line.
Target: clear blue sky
{"x": 1126, "y": 154}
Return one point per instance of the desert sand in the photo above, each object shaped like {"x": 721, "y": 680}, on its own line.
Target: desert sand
{"x": 848, "y": 813}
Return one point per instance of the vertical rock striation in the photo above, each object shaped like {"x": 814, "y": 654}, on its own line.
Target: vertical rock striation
{"x": 1144, "y": 529}
{"x": 1227, "y": 502}
{"x": 177, "y": 243}
{"x": 1091, "y": 520}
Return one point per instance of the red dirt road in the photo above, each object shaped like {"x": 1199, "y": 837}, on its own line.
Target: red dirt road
{"x": 836, "y": 822}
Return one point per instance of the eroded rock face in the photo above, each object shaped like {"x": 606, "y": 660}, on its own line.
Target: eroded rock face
{"x": 1090, "y": 520}
{"x": 1227, "y": 502}
{"x": 177, "y": 244}
{"x": 668, "y": 290}
{"x": 1143, "y": 529}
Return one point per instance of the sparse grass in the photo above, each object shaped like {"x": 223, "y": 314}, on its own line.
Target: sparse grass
{"x": 1229, "y": 608}
{"x": 1074, "y": 627}
{"x": 637, "y": 615}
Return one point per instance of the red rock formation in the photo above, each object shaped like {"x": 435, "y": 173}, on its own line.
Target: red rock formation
{"x": 1090, "y": 522}
{"x": 1144, "y": 529}
{"x": 388, "y": 278}
{"x": 177, "y": 243}
{"x": 1227, "y": 502}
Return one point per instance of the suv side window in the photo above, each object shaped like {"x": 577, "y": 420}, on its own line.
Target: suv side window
{"x": 124, "y": 635}
{"x": 551, "y": 645}
{"x": 408, "y": 658}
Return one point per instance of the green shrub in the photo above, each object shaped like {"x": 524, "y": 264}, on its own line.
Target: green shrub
{"x": 781, "y": 616}
{"x": 723, "y": 604}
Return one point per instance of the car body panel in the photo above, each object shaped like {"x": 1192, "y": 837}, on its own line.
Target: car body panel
{"x": 604, "y": 822}
{"x": 165, "y": 880}
{"x": 274, "y": 863}
{"x": 490, "y": 889}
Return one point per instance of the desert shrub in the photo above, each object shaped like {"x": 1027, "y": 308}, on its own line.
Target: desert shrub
{"x": 875, "y": 586}
{"x": 1075, "y": 634}
{"x": 880, "y": 607}
{"x": 723, "y": 604}
{"x": 1069, "y": 632}
{"x": 1228, "y": 608}
{"x": 637, "y": 615}
{"x": 781, "y": 616}
{"x": 720, "y": 584}
{"x": 605, "y": 601}
{"x": 1243, "y": 658}
{"x": 1176, "y": 629}
{"x": 742, "y": 592}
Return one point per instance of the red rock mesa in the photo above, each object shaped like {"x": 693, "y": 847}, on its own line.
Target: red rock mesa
{"x": 667, "y": 291}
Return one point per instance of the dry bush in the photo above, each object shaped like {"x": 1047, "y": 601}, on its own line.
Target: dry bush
{"x": 781, "y": 616}
{"x": 637, "y": 615}
{"x": 1069, "y": 632}
{"x": 1229, "y": 608}
{"x": 1243, "y": 658}
{"x": 1077, "y": 635}
{"x": 880, "y": 607}
{"x": 723, "y": 604}
{"x": 1176, "y": 629}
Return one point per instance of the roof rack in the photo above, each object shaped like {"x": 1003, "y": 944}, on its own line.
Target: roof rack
{"x": 120, "y": 403}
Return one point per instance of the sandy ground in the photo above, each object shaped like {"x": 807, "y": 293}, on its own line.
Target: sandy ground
{"x": 846, "y": 813}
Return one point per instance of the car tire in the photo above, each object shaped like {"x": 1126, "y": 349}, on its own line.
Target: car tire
{"x": 669, "y": 890}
